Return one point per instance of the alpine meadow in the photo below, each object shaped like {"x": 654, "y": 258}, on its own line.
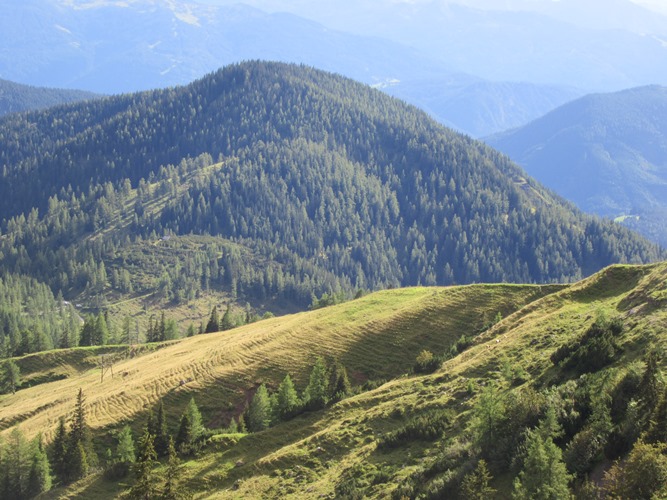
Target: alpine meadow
{"x": 278, "y": 282}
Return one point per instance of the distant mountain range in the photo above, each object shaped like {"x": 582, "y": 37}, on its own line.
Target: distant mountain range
{"x": 112, "y": 47}
{"x": 605, "y": 152}
{"x": 593, "y": 44}
{"x": 15, "y": 97}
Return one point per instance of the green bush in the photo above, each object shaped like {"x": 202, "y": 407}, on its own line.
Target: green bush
{"x": 426, "y": 427}
{"x": 596, "y": 349}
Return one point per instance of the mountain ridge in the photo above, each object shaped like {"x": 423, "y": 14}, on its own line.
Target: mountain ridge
{"x": 604, "y": 152}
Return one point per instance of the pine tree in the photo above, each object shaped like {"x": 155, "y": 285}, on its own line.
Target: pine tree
{"x": 160, "y": 431}
{"x": 316, "y": 393}
{"x": 259, "y": 411}
{"x": 39, "y": 480}
{"x": 287, "y": 403}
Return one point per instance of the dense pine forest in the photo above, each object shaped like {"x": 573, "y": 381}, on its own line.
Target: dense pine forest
{"x": 275, "y": 183}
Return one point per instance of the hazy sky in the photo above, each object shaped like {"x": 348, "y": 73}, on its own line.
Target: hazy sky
{"x": 297, "y": 5}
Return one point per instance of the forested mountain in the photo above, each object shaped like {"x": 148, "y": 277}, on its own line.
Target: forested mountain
{"x": 605, "y": 152}
{"x": 309, "y": 182}
{"x": 16, "y": 97}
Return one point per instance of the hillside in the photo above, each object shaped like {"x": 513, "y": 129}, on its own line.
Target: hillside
{"x": 605, "y": 152}
{"x": 352, "y": 448}
{"x": 274, "y": 182}
{"x": 479, "y": 107}
{"x": 15, "y": 97}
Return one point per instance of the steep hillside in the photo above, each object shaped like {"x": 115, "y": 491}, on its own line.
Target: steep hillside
{"x": 604, "y": 152}
{"x": 413, "y": 436}
{"x": 377, "y": 337}
{"x": 15, "y": 97}
{"x": 321, "y": 186}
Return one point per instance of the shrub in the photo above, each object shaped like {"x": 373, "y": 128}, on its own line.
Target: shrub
{"x": 594, "y": 350}
{"x": 427, "y": 427}
{"x": 426, "y": 362}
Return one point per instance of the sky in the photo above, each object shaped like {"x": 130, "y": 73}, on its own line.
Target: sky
{"x": 297, "y": 5}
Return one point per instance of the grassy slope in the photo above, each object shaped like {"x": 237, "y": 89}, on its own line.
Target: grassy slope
{"x": 309, "y": 455}
{"x": 376, "y": 336}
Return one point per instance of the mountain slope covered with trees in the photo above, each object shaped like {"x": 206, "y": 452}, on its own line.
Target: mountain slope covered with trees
{"x": 604, "y": 152}
{"x": 344, "y": 186}
{"x": 15, "y": 97}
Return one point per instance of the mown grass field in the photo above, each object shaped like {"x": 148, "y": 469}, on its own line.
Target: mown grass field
{"x": 377, "y": 337}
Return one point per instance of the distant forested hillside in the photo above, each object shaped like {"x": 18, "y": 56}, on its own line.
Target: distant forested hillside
{"x": 300, "y": 180}
{"x": 605, "y": 152}
{"x": 16, "y": 97}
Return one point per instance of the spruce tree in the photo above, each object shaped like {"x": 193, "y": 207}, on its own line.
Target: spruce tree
{"x": 80, "y": 455}
{"x": 259, "y": 411}
{"x": 184, "y": 434}
{"x": 287, "y": 403}
{"x": 339, "y": 385}
{"x": 316, "y": 393}
{"x": 12, "y": 376}
{"x": 226, "y": 323}
{"x": 213, "y": 324}
{"x": 59, "y": 452}
{"x": 160, "y": 431}
{"x": 39, "y": 480}
{"x": 195, "y": 420}
{"x": 125, "y": 446}
{"x": 145, "y": 486}
{"x": 475, "y": 485}
{"x": 172, "y": 489}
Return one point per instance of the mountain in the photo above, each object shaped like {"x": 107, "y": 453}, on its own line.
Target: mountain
{"x": 112, "y": 47}
{"x": 530, "y": 389}
{"x": 605, "y": 152}
{"x": 591, "y": 45}
{"x": 15, "y": 97}
{"x": 481, "y": 108}
{"x": 327, "y": 184}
